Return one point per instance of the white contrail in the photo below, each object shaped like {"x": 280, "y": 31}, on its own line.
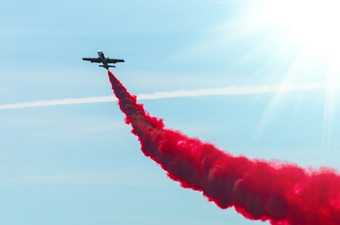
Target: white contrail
{"x": 66, "y": 101}
{"x": 233, "y": 90}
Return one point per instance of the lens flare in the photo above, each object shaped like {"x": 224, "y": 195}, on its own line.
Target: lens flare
{"x": 294, "y": 41}
{"x": 312, "y": 24}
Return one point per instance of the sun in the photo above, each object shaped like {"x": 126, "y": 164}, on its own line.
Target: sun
{"x": 312, "y": 24}
{"x": 304, "y": 36}
{"x": 311, "y": 28}
{"x": 303, "y": 33}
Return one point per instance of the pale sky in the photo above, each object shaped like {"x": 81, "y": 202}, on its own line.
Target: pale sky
{"x": 213, "y": 70}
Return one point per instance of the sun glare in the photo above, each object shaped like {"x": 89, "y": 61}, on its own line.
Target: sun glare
{"x": 312, "y": 24}
{"x": 309, "y": 33}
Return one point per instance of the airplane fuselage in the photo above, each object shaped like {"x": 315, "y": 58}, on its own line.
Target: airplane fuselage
{"x": 102, "y": 57}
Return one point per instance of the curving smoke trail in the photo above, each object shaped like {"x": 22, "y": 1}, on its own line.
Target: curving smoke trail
{"x": 281, "y": 193}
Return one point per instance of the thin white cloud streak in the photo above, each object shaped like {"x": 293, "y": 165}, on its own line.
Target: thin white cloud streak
{"x": 233, "y": 90}
{"x": 66, "y": 101}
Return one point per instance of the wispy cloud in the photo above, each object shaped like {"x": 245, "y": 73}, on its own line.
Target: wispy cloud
{"x": 66, "y": 101}
{"x": 232, "y": 90}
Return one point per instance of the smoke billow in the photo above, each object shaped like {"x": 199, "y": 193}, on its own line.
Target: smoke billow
{"x": 281, "y": 193}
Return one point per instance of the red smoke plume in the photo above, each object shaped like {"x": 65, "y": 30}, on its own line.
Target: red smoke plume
{"x": 260, "y": 190}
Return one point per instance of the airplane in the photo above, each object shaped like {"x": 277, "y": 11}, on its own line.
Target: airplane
{"x": 104, "y": 60}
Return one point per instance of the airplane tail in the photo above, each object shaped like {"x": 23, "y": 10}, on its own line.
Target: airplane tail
{"x": 107, "y": 66}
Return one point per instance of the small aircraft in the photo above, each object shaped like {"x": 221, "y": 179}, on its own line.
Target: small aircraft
{"x": 104, "y": 60}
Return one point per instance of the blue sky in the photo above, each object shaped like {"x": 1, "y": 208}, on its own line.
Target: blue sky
{"x": 79, "y": 164}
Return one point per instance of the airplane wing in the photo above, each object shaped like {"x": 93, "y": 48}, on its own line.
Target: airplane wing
{"x": 108, "y": 60}
{"x": 93, "y": 60}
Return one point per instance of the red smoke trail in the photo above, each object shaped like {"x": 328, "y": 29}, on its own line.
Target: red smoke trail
{"x": 260, "y": 190}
